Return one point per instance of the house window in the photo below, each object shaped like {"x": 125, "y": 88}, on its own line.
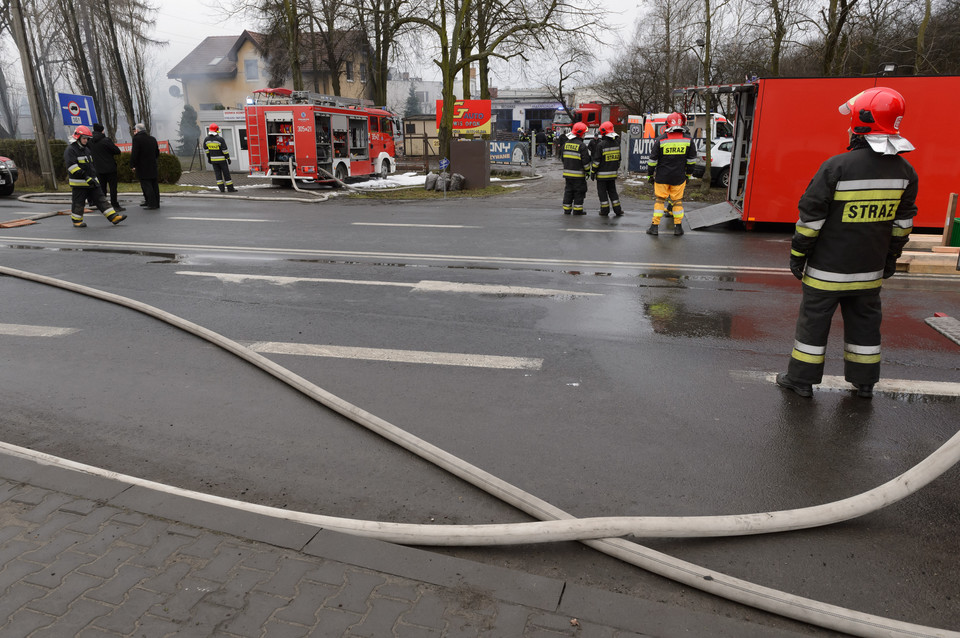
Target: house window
{"x": 250, "y": 70}
{"x": 411, "y": 128}
{"x": 363, "y": 72}
{"x": 349, "y": 71}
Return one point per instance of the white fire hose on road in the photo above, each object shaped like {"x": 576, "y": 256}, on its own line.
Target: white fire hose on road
{"x": 556, "y": 525}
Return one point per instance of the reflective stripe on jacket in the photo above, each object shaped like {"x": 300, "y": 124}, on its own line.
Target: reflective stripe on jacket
{"x": 606, "y": 157}
{"x": 215, "y": 148}
{"x": 79, "y": 163}
{"x": 576, "y": 157}
{"x": 856, "y": 214}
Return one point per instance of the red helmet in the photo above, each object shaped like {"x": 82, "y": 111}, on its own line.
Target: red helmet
{"x": 875, "y": 111}
{"x": 81, "y": 131}
{"x": 606, "y": 128}
{"x": 579, "y": 129}
{"x": 214, "y": 128}
{"x": 675, "y": 121}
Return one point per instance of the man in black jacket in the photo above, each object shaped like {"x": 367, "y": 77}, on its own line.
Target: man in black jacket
{"x": 219, "y": 158}
{"x": 83, "y": 180}
{"x": 606, "y": 165}
{"x": 143, "y": 160}
{"x": 670, "y": 165}
{"x": 576, "y": 165}
{"x": 103, "y": 150}
{"x": 855, "y": 218}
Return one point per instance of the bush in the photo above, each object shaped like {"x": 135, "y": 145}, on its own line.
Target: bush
{"x": 24, "y": 153}
{"x": 168, "y": 168}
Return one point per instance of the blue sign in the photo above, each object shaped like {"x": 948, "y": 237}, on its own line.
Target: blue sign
{"x": 509, "y": 153}
{"x": 77, "y": 109}
{"x": 444, "y": 162}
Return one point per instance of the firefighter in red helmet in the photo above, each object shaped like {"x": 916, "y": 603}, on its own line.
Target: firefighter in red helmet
{"x": 855, "y": 218}
{"x": 670, "y": 165}
{"x": 606, "y": 164}
{"x": 576, "y": 167}
{"x": 219, "y": 158}
{"x": 82, "y": 177}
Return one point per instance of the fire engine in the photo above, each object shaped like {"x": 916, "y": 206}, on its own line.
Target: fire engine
{"x": 312, "y": 138}
{"x": 593, "y": 114}
{"x": 785, "y": 128}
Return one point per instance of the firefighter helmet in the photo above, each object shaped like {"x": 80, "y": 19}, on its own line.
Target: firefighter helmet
{"x": 81, "y": 131}
{"x": 876, "y": 111}
{"x": 606, "y": 128}
{"x": 214, "y": 128}
{"x": 675, "y": 121}
{"x": 579, "y": 129}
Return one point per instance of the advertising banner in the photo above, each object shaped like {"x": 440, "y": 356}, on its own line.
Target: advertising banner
{"x": 469, "y": 116}
{"x": 517, "y": 153}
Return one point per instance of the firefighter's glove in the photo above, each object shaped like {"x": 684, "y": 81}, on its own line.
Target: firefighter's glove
{"x": 890, "y": 267}
{"x": 797, "y": 265}
{"x": 228, "y": 161}
{"x": 91, "y": 182}
{"x": 650, "y": 178}
{"x": 593, "y": 176}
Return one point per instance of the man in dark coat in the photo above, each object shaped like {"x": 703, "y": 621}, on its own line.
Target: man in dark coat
{"x": 143, "y": 160}
{"x": 104, "y": 150}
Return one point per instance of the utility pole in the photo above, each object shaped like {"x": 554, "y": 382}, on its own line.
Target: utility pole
{"x": 39, "y": 130}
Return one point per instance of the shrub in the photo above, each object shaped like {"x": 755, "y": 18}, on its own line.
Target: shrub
{"x": 168, "y": 168}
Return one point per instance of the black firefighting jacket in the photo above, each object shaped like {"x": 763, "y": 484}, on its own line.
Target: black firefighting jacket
{"x": 79, "y": 163}
{"x": 606, "y": 157}
{"x": 215, "y": 148}
{"x": 672, "y": 159}
{"x": 856, "y": 214}
{"x": 576, "y": 157}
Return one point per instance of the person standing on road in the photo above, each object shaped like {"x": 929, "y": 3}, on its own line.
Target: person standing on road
{"x": 143, "y": 160}
{"x": 606, "y": 164}
{"x": 855, "y": 218}
{"x": 541, "y": 144}
{"x": 83, "y": 181}
{"x": 576, "y": 166}
{"x": 219, "y": 158}
{"x": 104, "y": 151}
{"x": 668, "y": 169}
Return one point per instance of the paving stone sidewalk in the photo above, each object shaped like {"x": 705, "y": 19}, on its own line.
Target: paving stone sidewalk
{"x": 90, "y": 557}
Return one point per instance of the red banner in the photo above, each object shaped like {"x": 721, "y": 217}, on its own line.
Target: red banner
{"x": 468, "y": 114}
{"x": 164, "y": 145}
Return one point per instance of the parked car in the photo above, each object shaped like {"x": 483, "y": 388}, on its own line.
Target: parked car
{"x": 8, "y": 175}
{"x": 719, "y": 161}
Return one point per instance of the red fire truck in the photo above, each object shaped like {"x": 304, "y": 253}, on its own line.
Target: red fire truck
{"x": 592, "y": 114}
{"x": 786, "y": 127}
{"x": 311, "y": 138}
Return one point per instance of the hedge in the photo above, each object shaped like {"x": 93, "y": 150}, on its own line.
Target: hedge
{"x": 24, "y": 153}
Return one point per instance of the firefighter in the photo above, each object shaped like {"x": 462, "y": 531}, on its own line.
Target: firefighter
{"x": 668, "y": 169}
{"x": 576, "y": 166}
{"x": 219, "y": 157}
{"x": 606, "y": 163}
{"x": 83, "y": 180}
{"x": 855, "y": 218}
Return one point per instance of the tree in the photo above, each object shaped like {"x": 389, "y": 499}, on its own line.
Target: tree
{"x": 188, "y": 131}
{"x": 412, "y": 106}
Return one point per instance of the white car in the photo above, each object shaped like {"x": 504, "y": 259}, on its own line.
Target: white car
{"x": 719, "y": 161}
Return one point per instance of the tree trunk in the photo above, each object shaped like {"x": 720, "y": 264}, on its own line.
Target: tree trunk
{"x": 920, "y": 63}
{"x": 121, "y": 84}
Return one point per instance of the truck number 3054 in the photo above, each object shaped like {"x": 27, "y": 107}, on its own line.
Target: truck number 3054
{"x": 304, "y": 129}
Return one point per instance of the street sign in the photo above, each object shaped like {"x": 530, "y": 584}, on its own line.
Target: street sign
{"x": 444, "y": 162}
{"x": 77, "y": 109}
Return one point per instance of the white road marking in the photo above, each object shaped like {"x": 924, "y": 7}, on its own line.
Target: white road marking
{"x": 413, "y": 225}
{"x": 20, "y": 330}
{"x": 400, "y": 356}
{"x": 486, "y": 259}
{"x": 602, "y": 230}
{"x": 225, "y": 219}
{"x": 833, "y": 383}
{"x": 422, "y": 286}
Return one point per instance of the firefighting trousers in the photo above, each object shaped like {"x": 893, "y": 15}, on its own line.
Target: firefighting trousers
{"x": 607, "y": 190}
{"x": 222, "y": 173}
{"x": 663, "y": 192}
{"x": 93, "y": 195}
{"x": 574, "y": 192}
{"x": 861, "y": 336}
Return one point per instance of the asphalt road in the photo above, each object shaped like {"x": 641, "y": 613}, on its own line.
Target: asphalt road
{"x": 624, "y": 375}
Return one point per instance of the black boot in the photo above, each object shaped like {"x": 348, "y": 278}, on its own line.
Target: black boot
{"x": 653, "y": 230}
{"x": 678, "y": 230}
{"x": 803, "y": 389}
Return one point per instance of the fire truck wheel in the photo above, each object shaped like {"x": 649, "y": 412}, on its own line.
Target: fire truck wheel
{"x": 384, "y": 169}
{"x": 341, "y": 172}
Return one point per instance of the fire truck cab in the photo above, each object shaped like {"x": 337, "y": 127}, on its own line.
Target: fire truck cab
{"x": 294, "y": 135}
